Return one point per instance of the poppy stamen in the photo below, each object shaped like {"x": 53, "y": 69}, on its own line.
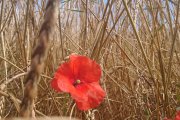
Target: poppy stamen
{"x": 77, "y": 82}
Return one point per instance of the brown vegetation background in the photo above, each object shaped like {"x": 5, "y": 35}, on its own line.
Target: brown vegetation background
{"x": 136, "y": 42}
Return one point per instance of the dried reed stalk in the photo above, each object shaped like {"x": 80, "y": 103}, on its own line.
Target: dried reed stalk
{"x": 37, "y": 60}
{"x": 3, "y": 86}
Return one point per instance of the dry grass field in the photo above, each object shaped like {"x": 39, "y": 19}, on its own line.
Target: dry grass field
{"x": 136, "y": 42}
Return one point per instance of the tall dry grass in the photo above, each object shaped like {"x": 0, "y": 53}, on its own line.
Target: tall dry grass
{"x": 136, "y": 42}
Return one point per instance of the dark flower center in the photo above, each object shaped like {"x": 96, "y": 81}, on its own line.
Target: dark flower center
{"x": 77, "y": 82}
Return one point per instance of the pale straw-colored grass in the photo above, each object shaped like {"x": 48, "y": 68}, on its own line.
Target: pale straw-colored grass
{"x": 135, "y": 41}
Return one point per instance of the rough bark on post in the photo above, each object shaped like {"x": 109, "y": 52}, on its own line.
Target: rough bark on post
{"x": 37, "y": 60}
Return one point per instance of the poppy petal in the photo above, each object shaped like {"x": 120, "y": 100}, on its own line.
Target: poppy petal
{"x": 65, "y": 70}
{"x": 63, "y": 78}
{"x": 55, "y": 85}
{"x": 63, "y": 84}
{"x": 85, "y": 69}
{"x": 94, "y": 93}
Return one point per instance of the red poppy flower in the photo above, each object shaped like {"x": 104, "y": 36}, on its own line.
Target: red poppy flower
{"x": 80, "y": 77}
